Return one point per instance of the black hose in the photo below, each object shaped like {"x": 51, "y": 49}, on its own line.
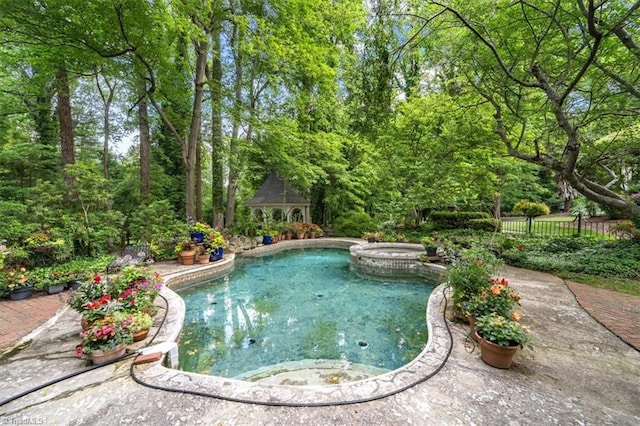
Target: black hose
{"x": 88, "y": 369}
{"x": 309, "y": 404}
{"x": 60, "y": 379}
{"x": 239, "y": 400}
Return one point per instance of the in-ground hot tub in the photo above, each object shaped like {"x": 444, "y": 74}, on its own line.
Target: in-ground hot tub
{"x": 387, "y": 258}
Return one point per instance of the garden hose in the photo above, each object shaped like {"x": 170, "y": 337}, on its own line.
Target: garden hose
{"x": 240, "y": 400}
{"x": 88, "y": 369}
{"x": 308, "y": 404}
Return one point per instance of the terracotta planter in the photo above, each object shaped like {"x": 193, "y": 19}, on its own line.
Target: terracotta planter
{"x": 204, "y": 258}
{"x": 288, "y": 235}
{"x": 496, "y": 355}
{"x": 140, "y": 335}
{"x": 102, "y": 357}
{"x": 188, "y": 257}
{"x": 300, "y": 235}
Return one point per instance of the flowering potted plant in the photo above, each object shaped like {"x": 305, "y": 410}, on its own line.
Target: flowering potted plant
{"x": 298, "y": 229}
{"x": 106, "y": 340}
{"x": 499, "y": 298}
{"x": 500, "y": 338}
{"x": 136, "y": 289}
{"x": 15, "y": 282}
{"x": 470, "y": 275}
{"x": 140, "y": 325}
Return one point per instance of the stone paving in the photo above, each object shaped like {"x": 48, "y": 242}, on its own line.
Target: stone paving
{"x": 20, "y": 317}
{"x": 579, "y": 373}
{"x": 619, "y": 312}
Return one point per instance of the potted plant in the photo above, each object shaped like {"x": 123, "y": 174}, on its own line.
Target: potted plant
{"x": 216, "y": 242}
{"x": 15, "y": 283}
{"x": 499, "y": 299}
{"x": 140, "y": 325}
{"x": 199, "y": 231}
{"x": 136, "y": 289}
{"x": 106, "y": 340}
{"x": 267, "y": 237}
{"x": 186, "y": 251}
{"x": 313, "y": 230}
{"x": 298, "y": 230}
{"x": 469, "y": 275}
{"x": 431, "y": 246}
{"x": 500, "y": 338}
{"x": 54, "y": 282}
{"x": 203, "y": 254}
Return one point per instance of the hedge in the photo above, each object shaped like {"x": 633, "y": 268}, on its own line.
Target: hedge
{"x": 456, "y": 220}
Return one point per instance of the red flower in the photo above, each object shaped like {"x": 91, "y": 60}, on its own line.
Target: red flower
{"x": 97, "y": 279}
{"x": 79, "y": 350}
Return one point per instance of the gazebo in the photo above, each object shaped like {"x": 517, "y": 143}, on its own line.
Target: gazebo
{"x": 276, "y": 200}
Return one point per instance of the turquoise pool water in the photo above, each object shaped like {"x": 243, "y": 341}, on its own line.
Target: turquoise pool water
{"x": 300, "y": 305}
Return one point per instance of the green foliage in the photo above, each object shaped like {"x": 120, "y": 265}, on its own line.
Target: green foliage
{"x": 503, "y": 331}
{"x": 353, "y": 224}
{"x": 531, "y": 209}
{"x": 455, "y": 220}
{"x": 15, "y": 224}
{"x": 487, "y": 224}
{"x": 470, "y": 274}
{"x": 157, "y": 225}
{"x": 499, "y": 298}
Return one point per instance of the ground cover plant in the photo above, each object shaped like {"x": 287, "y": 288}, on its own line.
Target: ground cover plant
{"x": 605, "y": 263}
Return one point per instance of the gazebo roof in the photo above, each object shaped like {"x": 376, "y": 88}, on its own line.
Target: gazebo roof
{"x": 274, "y": 191}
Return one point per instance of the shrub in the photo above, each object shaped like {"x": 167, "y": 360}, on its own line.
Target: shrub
{"x": 625, "y": 229}
{"x": 531, "y": 209}
{"x": 455, "y": 220}
{"x": 487, "y": 224}
{"x": 354, "y": 224}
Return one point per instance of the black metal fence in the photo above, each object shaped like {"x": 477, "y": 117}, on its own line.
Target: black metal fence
{"x": 558, "y": 226}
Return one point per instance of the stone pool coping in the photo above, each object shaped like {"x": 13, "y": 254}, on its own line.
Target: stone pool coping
{"x": 425, "y": 365}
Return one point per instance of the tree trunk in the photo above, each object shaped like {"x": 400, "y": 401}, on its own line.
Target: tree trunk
{"x": 234, "y": 165}
{"x": 189, "y": 148}
{"x": 65, "y": 121}
{"x": 198, "y": 181}
{"x": 107, "y": 100}
{"x": 497, "y": 206}
{"x": 217, "y": 179}
{"x": 145, "y": 141}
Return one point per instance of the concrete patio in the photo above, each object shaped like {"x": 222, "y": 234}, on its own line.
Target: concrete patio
{"x": 579, "y": 373}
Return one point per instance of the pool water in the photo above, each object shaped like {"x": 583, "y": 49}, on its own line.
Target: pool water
{"x": 301, "y": 305}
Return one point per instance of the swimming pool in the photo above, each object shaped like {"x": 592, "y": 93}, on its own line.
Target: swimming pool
{"x": 297, "y": 306}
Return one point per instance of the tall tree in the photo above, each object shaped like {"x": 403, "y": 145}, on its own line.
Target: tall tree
{"x": 560, "y": 76}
